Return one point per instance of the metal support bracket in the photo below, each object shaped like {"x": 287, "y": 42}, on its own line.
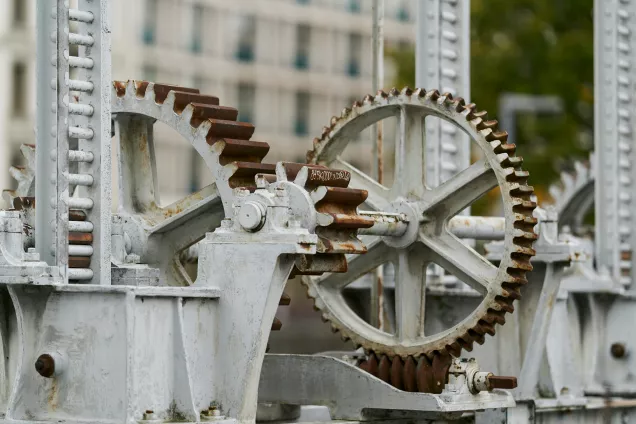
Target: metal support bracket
{"x": 353, "y": 394}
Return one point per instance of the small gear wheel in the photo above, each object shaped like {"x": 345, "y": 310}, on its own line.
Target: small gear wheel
{"x": 427, "y": 239}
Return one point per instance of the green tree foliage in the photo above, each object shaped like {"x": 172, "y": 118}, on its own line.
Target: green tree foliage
{"x": 539, "y": 47}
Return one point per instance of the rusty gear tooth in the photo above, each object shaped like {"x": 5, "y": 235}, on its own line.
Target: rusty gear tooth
{"x": 373, "y": 366}
{"x": 276, "y": 325}
{"x": 394, "y": 92}
{"x": 512, "y": 162}
{"x": 497, "y": 317}
{"x": 447, "y": 98}
{"x": 468, "y": 346}
{"x": 409, "y": 375}
{"x": 424, "y": 375}
{"x": 384, "y": 369}
{"x": 285, "y": 300}
{"x": 511, "y": 290}
{"x": 433, "y": 95}
{"x": 518, "y": 177}
{"x": 459, "y": 104}
{"x": 479, "y": 338}
{"x": 486, "y": 327}
{"x": 419, "y": 92}
{"x": 382, "y": 93}
{"x": 454, "y": 349}
{"x": 368, "y": 99}
{"x": 397, "y": 373}
{"x": 502, "y": 137}
{"x": 505, "y": 304}
{"x": 406, "y": 91}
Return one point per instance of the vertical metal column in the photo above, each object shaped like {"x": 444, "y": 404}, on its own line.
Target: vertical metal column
{"x": 377, "y": 79}
{"x": 93, "y": 130}
{"x": 46, "y": 133}
{"x": 614, "y": 135}
{"x": 83, "y": 118}
{"x": 60, "y": 132}
{"x": 443, "y": 63}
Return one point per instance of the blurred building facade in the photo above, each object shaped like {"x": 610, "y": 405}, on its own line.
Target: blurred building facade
{"x": 286, "y": 65}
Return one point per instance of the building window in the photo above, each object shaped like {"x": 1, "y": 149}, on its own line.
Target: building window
{"x": 355, "y": 47}
{"x": 354, "y": 6}
{"x": 247, "y": 39}
{"x": 246, "y": 97}
{"x": 18, "y": 89}
{"x": 403, "y": 13}
{"x": 197, "y": 28}
{"x": 19, "y": 11}
{"x": 150, "y": 21}
{"x": 303, "y": 38}
{"x": 301, "y": 127}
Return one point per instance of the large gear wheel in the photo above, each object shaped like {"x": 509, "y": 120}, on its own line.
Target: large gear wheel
{"x": 427, "y": 239}
{"x": 222, "y": 142}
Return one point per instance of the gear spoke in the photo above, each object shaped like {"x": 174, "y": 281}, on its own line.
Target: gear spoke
{"x": 460, "y": 191}
{"x": 139, "y": 190}
{"x": 409, "y": 181}
{"x": 461, "y": 260}
{"x": 358, "y": 265}
{"x": 378, "y": 194}
{"x": 410, "y": 289}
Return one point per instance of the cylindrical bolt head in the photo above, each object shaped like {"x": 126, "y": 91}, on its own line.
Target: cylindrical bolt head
{"x": 618, "y": 350}
{"x": 45, "y": 365}
{"x": 251, "y": 216}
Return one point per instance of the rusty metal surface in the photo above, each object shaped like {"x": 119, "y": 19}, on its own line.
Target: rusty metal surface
{"x": 501, "y": 382}
{"x": 411, "y": 374}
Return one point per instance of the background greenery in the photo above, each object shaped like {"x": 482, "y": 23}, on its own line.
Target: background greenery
{"x": 540, "y": 47}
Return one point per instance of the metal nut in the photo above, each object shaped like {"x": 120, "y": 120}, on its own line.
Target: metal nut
{"x": 618, "y": 350}
{"x": 45, "y": 365}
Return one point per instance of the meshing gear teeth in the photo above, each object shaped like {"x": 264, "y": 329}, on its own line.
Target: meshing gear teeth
{"x": 517, "y": 202}
{"x": 235, "y": 161}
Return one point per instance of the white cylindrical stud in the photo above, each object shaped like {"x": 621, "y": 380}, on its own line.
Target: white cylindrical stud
{"x": 77, "y": 85}
{"x": 79, "y": 203}
{"x": 80, "y": 226}
{"x": 80, "y": 156}
{"x": 80, "y": 39}
{"x": 80, "y": 179}
{"x": 80, "y": 109}
{"x": 80, "y": 62}
{"x": 80, "y": 250}
{"x": 80, "y": 16}
{"x": 80, "y": 274}
{"x": 79, "y": 132}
